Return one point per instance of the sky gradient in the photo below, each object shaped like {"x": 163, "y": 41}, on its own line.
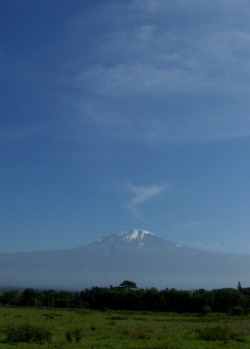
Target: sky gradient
{"x": 117, "y": 115}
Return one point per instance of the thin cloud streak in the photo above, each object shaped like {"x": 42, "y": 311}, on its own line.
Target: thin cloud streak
{"x": 18, "y": 133}
{"x": 147, "y": 79}
{"x": 190, "y": 226}
{"x": 143, "y": 194}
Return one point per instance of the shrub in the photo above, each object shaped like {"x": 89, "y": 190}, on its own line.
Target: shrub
{"x": 27, "y": 333}
{"x": 142, "y": 333}
{"x": 205, "y": 309}
{"x": 70, "y": 334}
{"x": 220, "y": 333}
{"x": 237, "y": 310}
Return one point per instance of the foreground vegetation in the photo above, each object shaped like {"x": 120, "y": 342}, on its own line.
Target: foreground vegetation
{"x": 34, "y": 328}
{"x": 125, "y": 317}
{"x": 127, "y": 296}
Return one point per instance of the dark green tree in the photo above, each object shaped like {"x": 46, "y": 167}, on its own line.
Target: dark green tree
{"x": 30, "y": 297}
{"x": 10, "y": 298}
{"x": 128, "y": 285}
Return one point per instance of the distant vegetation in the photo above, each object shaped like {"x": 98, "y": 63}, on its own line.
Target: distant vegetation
{"x": 127, "y": 296}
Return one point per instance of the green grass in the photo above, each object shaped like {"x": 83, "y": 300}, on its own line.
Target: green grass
{"x": 125, "y": 330}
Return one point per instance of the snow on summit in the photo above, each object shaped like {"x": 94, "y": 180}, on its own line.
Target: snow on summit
{"x": 135, "y": 234}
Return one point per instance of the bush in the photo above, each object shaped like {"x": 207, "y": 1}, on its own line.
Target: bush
{"x": 205, "y": 309}
{"x": 26, "y": 333}
{"x": 78, "y": 335}
{"x": 70, "y": 334}
{"x": 237, "y": 310}
{"x": 218, "y": 333}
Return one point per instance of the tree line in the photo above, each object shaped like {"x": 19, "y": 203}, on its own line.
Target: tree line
{"x": 127, "y": 296}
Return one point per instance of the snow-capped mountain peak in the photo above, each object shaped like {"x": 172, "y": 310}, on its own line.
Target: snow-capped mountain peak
{"x": 135, "y": 235}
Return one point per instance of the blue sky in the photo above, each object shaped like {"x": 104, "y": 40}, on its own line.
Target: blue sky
{"x": 124, "y": 114}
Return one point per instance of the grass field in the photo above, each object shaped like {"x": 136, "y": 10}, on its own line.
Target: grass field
{"x": 120, "y": 330}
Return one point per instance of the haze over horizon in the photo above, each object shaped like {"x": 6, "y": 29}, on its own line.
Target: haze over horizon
{"x": 128, "y": 114}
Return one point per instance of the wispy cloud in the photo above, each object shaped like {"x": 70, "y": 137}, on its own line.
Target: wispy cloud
{"x": 206, "y": 246}
{"x": 15, "y": 133}
{"x": 143, "y": 194}
{"x": 165, "y": 71}
{"x": 189, "y": 226}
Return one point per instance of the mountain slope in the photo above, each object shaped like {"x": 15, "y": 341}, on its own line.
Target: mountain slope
{"x": 136, "y": 255}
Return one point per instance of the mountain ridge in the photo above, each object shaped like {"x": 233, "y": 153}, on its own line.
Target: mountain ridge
{"x": 136, "y": 255}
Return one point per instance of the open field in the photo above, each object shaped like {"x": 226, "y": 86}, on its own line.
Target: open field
{"x": 119, "y": 330}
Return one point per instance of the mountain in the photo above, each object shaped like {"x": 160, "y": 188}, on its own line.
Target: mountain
{"x": 136, "y": 255}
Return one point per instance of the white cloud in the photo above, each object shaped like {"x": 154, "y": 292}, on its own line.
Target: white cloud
{"x": 142, "y": 194}
{"x": 200, "y": 245}
{"x": 192, "y": 224}
{"x": 21, "y": 132}
{"x": 205, "y": 246}
{"x": 188, "y": 226}
{"x": 165, "y": 72}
